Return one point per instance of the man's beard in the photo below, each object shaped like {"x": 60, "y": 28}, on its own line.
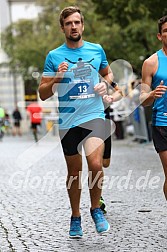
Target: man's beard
{"x": 76, "y": 39}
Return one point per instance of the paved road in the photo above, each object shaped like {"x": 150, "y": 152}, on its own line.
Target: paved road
{"x": 34, "y": 209}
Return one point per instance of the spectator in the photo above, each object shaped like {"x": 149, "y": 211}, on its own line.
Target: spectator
{"x": 34, "y": 111}
{"x": 17, "y": 119}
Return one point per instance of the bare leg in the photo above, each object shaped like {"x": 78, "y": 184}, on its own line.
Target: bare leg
{"x": 19, "y": 131}
{"x": 34, "y": 131}
{"x": 94, "y": 148}
{"x": 73, "y": 183}
{"x": 163, "y": 157}
{"x": 14, "y": 131}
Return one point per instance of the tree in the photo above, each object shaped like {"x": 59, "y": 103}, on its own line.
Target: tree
{"x": 136, "y": 23}
{"x": 27, "y": 42}
{"x": 126, "y": 29}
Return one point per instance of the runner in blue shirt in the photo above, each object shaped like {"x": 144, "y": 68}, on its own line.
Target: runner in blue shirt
{"x": 154, "y": 87}
{"x": 74, "y": 70}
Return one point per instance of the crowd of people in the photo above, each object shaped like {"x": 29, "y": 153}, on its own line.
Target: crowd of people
{"x": 11, "y": 124}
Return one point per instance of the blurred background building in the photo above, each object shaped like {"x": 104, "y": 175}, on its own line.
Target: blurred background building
{"x": 12, "y": 89}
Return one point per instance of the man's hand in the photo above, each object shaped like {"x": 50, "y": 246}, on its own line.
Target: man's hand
{"x": 101, "y": 88}
{"x": 62, "y": 68}
{"x": 108, "y": 99}
{"x": 160, "y": 90}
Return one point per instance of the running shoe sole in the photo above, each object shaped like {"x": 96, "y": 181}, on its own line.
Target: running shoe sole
{"x": 75, "y": 237}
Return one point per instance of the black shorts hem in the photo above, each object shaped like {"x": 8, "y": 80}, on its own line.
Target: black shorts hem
{"x": 159, "y": 135}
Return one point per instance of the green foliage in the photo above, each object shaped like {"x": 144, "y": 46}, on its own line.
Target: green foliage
{"x": 136, "y": 23}
{"x": 124, "y": 12}
{"x": 27, "y": 42}
{"x": 126, "y": 29}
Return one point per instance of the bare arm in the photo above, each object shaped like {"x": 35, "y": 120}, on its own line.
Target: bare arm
{"x": 107, "y": 74}
{"x": 147, "y": 95}
{"x": 48, "y": 85}
{"x": 101, "y": 88}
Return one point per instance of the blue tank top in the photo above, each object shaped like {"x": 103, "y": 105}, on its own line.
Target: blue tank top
{"x": 78, "y": 103}
{"x": 159, "y": 116}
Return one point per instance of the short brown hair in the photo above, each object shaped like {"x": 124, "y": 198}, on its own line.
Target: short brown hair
{"x": 161, "y": 21}
{"x": 69, "y": 11}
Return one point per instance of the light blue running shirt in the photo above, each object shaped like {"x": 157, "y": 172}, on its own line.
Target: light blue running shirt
{"x": 159, "y": 116}
{"x": 78, "y": 103}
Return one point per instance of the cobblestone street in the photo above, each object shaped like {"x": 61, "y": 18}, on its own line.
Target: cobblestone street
{"x": 35, "y": 212}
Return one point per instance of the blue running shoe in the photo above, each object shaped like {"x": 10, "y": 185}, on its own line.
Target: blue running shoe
{"x": 101, "y": 223}
{"x": 75, "y": 228}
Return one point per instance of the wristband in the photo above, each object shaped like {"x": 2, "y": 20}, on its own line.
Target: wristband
{"x": 113, "y": 84}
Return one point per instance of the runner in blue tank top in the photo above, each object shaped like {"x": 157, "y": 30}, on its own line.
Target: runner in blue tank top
{"x": 74, "y": 69}
{"x": 154, "y": 76}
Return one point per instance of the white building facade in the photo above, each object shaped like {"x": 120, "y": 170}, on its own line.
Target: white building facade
{"x": 12, "y": 86}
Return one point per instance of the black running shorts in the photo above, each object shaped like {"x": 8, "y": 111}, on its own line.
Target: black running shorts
{"x": 71, "y": 138}
{"x": 159, "y": 135}
{"x": 34, "y": 125}
{"x": 107, "y": 142}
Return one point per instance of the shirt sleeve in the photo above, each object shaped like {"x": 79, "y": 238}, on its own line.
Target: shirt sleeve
{"x": 104, "y": 62}
{"x": 49, "y": 69}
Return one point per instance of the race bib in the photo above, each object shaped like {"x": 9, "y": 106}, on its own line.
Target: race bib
{"x": 81, "y": 89}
